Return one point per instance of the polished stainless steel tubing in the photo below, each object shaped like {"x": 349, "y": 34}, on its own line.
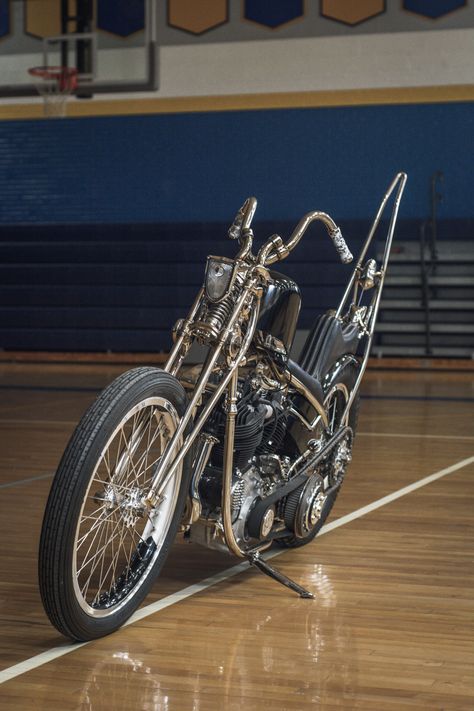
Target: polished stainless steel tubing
{"x": 226, "y": 509}
{"x": 207, "y": 442}
{"x": 170, "y": 363}
{"x": 399, "y": 180}
{"x": 250, "y": 206}
{"x": 200, "y": 385}
{"x": 333, "y": 231}
{"x": 307, "y": 394}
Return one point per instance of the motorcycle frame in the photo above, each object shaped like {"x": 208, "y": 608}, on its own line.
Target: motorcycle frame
{"x": 256, "y": 276}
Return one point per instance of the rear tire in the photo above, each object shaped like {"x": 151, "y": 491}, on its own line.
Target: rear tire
{"x": 101, "y": 549}
{"x": 347, "y": 377}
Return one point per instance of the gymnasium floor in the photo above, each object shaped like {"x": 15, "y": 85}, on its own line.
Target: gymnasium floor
{"x": 392, "y": 623}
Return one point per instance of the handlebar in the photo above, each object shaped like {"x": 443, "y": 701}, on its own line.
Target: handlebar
{"x": 275, "y": 249}
{"x": 243, "y": 219}
{"x": 333, "y": 230}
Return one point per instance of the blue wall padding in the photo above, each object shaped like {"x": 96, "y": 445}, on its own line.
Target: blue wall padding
{"x": 4, "y": 17}
{"x": 200, "y": 167}
{"x": 121, "y": 17}
{"x": 274, "y": 13}
{"x": 434, "y": 8}
{"x": 121, "y": 287}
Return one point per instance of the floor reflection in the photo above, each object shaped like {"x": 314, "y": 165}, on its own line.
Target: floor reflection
{"x": 260, "y": 658}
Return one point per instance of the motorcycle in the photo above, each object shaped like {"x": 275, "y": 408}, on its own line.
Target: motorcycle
{"x": 249, "y": 453}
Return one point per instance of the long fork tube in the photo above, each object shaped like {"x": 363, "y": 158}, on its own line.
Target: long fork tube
{"x": 210, "y": 404}
{"x": 171, "y": 366}
{"x": 211, "y": 360}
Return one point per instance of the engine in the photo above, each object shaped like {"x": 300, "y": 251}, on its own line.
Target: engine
{"x": 259, "y": 465}
{"x": 260, "y": 426}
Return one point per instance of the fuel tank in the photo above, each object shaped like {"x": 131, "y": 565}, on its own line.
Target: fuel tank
{"x": 279, "y": 309}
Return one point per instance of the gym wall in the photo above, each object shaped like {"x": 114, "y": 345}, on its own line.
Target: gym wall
{"x": 100, "y": 210}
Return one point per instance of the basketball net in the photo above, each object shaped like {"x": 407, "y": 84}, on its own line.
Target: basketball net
{"x": 55, "y": 85}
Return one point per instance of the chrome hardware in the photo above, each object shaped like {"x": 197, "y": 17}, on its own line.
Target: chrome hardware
{"x": 132, "y": 507}
{"x": 308, "y": 395}
{"x": 331, "y": 227}
{"x": 267, "y": 522}
{"x": 243, "y": 219}
{"x": 264, "y": 380}
{"x": 310, "y": 506}
{"x": 369, "y": 275}
{"x": 273, "y": 245}
{"x": 206, "y": 443}
{"x": 178, "y": 329}
{"x": 224, "y": 317}
{"x": 283, "y": 441}
{"x": 218, "y": 278}
{"x": 397, "y": 186}
{"x": 226, "y": 504}
{"x": 273, "y": 344}
{"x": 211, "y": 320}
{"x": 167, "y": 462}
{"x": 359, "y": 316}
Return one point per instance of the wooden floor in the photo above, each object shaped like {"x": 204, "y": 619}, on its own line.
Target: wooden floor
{"x": 392, "y": 623}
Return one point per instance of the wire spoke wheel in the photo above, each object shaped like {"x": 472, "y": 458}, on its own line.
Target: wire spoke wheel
{"x": 102, "y": 544}
{"x": 307, "y": 520}
{"x": 117, "y": 536}
{"x": 335, "y": 403}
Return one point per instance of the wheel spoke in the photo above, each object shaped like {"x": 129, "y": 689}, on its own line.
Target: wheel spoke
{"x": 103, "y": 536}
{"x": 98, "y": 521}
{"x": 99, "y": 587}
{"x": 98, "y": 552}
{"x": 111, "y": 536}
{"x": 114, "y": 557}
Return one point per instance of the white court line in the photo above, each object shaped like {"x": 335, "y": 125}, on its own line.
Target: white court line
{"x": 26, "y": 481}
{"x": 465, "y": 438}
{"x": 191, "y": 590}
{"x": 359, "y": 434}
{"x": 36, "y": 423}
{"x": 64, "y": 423}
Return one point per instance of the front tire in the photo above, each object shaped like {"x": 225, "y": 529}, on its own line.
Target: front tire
{"x": 101, "y": 548}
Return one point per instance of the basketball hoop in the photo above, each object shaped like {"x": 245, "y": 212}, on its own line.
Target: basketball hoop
{"x": 54, "y": 84}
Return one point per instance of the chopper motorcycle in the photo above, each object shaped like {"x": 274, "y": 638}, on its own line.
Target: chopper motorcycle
{"x": 249, "y": 452}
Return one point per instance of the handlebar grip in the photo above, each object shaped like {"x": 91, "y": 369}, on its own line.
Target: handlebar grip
{"x": 341, "y": 246}
{"x": 243, "y": 219}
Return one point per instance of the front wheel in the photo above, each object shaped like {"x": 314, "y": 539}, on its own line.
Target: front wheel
{"x": 101, "y": 547}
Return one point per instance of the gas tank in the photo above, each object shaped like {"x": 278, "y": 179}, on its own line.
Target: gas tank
{"x": 279, "y": 310}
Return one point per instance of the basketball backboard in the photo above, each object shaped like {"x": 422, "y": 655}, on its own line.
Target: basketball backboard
{"x": 112, "y": 43}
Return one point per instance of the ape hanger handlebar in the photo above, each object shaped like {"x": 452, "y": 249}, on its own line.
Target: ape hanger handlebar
{"x": 275, "y": 249}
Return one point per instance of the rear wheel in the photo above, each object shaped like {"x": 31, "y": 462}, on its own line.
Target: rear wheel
{"x": 101, "y": 546}
{"x": 308, "y": 507}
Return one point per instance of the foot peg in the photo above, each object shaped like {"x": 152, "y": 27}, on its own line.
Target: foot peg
{"x": 255, "y": 560}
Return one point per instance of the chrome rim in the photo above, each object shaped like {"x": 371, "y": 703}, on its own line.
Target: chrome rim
{"x": 335, "y": 403}
{"x": 118, "y": 538}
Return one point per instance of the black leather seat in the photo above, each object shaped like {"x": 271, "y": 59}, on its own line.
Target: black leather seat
{"x": 314, "y": 386}
{"x": 326, "y": 343}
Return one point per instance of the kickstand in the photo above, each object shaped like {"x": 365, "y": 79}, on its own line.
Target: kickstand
{"x": 255, "y": 560}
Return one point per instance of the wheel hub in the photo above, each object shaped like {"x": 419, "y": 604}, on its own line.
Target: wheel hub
{"x": 108, "y": 498}
{"x": 316, "y": 510}
{"x": 132, "y": 507}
